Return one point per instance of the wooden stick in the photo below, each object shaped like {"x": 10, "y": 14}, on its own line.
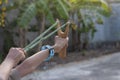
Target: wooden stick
{"x": 62, "y": 34}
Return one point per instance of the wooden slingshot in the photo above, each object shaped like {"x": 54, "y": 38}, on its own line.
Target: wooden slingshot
{"x": 62, "y": 53}
{"x": 43, "y": 37}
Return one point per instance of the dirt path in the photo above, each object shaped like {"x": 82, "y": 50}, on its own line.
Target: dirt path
{"x": 103, "y": 68}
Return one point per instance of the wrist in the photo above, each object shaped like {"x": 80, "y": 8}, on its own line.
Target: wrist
{"x": 9, "y": 61}
{"x": 51, "y": 51}
{"x": 56, "y": 49}
{"x": 6, "y": 67}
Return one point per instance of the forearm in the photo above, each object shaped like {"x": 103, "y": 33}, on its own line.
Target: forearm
{"x": 5, "y": 68}
{"x": 30, "y": 64}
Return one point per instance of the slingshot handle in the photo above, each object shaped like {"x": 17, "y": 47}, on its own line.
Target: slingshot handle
{"x": 62, "y": 53}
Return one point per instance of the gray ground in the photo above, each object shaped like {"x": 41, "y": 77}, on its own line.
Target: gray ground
{"x": 103, "y": 68}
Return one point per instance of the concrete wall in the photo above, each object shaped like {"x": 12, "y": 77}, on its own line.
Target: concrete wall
{"x": 110, "y": 30}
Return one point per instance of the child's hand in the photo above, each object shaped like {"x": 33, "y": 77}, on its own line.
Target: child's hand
{"x": 60, "y": 43}
{"x": 16, "y": 55}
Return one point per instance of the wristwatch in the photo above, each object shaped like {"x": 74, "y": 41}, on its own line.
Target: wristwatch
{"x": 51, "y": 51}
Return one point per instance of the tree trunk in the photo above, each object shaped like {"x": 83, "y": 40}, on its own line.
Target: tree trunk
{"x": 79, "y": 38}
{"x": 74, "y": 40}
{"x": 85, "y": 44}
{"x": 79, "y": 41}
{"x": 42, "y": 28}
{"x": 23, "y": 41}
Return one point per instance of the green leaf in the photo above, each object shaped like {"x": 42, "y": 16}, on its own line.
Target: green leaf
{"x": 99, "y": 20}
{"x": 47, "y": 10}
{"x": 93, "y": 32}
{"x": 27, "y": 16}
{"x": 62, "y": 10}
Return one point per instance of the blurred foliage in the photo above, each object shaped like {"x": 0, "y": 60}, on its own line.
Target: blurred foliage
{"x": 87, "y": 12}
{"x": 30, "y": 9}
{"x": 3, "y": 4}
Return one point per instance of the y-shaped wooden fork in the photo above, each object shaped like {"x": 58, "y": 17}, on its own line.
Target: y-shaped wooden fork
{"x": 62, "y": 53}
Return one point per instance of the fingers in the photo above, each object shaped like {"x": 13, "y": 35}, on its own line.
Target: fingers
{"x": 21, "y": 52}
{"x": 67, "y": 38}
{"x": 19, "y": 49}
{"x": 63, "y": 39}
{"x": 56, "y": 37}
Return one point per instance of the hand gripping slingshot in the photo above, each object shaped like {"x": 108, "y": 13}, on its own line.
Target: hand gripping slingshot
{"x": 62, "y": 34}
{"x": 42, "y": 37}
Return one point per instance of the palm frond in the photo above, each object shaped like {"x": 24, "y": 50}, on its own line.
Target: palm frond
{"x": 99, "y": 5}
{"x": 46, "y": 10}
{"x": 27, "y": 16}
{"x": 62, "y": 9}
